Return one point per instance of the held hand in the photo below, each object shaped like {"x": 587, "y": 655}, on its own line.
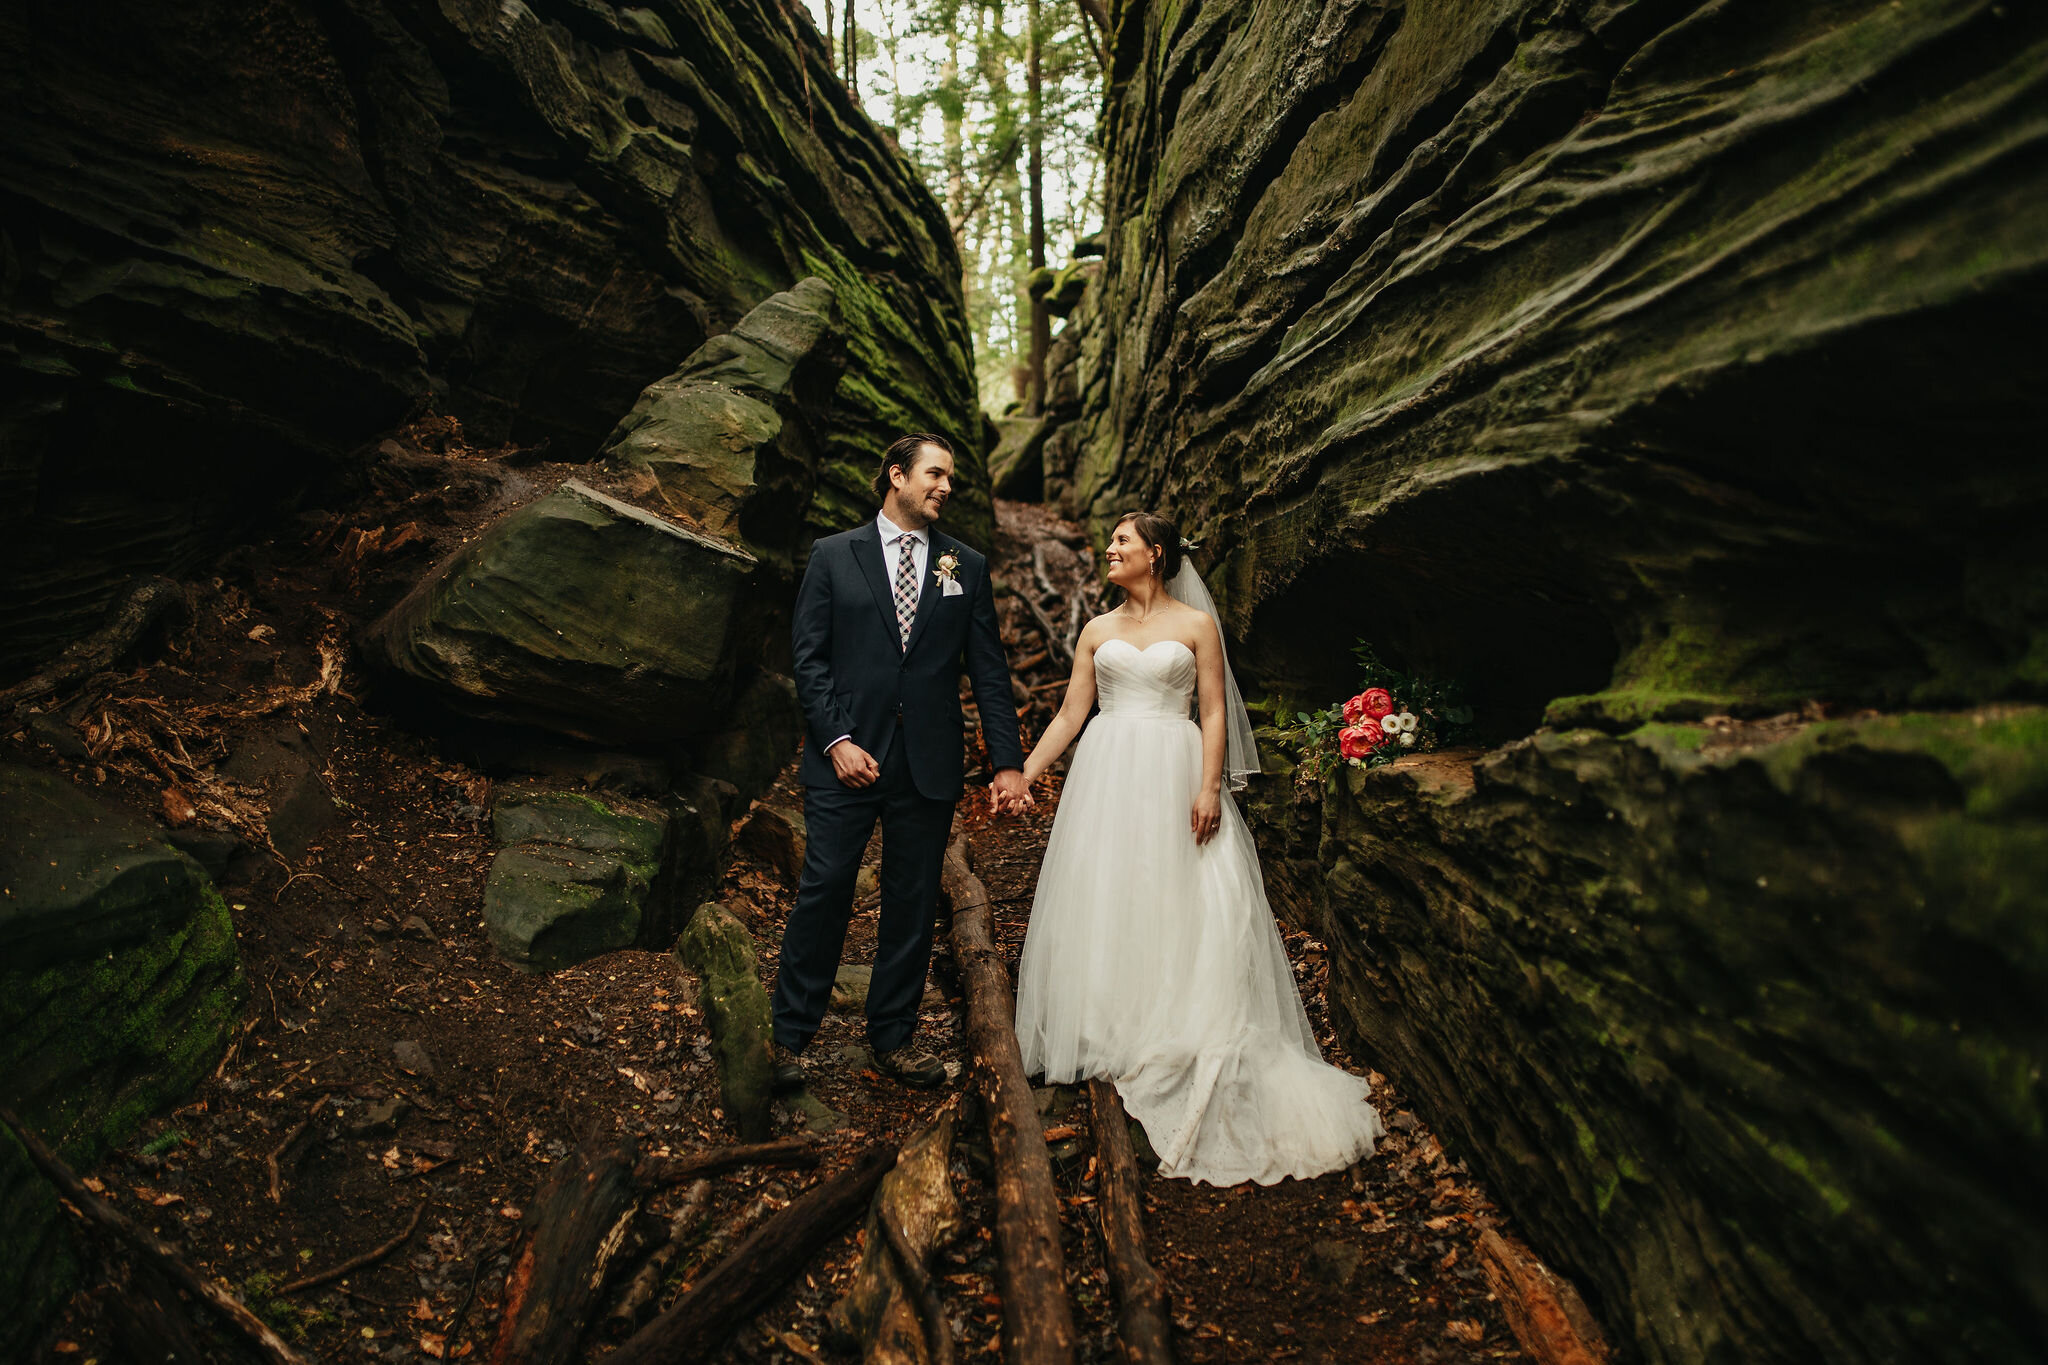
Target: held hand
{"x": 853, "y": 765}
{"x": 1010, "y": 793}
{"x": 1207, "y": 816}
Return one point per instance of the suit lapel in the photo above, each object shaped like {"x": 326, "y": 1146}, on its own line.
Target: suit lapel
{"x": 928, "y": 598}
{"x": 867, "y": 552}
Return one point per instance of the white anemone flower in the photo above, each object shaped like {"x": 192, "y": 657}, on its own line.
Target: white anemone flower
{"x": 1407, "y": 738}
{"x": 1407, "y": 719}
{"x": 1391, "y": 724}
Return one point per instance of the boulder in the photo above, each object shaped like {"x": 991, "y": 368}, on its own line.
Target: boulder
{"x": 579, "y": 614}
{"x": 1743, "y": 1026}
{"x": 119, "y": 987}
{"x": 529, "y": 211}
{"x": 774, "y": 836}
{"x": 1620, "y": 351}
{"x": 708, "y": 443}
{"x": 279, "y": 762}
{"x": 718, "y": 952}
{"x": 759, "y": 737}
{"x": 578, "y": 876}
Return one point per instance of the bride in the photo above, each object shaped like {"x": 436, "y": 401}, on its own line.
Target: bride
{"x": 1152, "y": 958}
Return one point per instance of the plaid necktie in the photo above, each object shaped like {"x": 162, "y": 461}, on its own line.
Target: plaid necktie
{"x": 906, "y": 588}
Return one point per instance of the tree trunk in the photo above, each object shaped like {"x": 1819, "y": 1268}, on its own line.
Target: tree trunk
{"x": 1141, "y": 1323}
{"x": 1038, "y": 1322}
{"x": 1041, "y": 319}
{"x": 699, "y": 1322}
{"x": 852, "y": 52}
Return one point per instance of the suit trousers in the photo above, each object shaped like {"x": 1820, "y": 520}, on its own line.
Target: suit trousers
{"x": 838, "y": 821}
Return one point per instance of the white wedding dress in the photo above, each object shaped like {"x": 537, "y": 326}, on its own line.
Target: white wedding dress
{"x": 1154, "y": 962}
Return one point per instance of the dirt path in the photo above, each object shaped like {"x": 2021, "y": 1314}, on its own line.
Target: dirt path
{"x": 428, "y": 1075}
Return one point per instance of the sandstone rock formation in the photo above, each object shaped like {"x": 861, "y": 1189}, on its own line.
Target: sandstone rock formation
{"x": 724, "y": 442}
{"x": 579, "y": 614}
{"x": 1671, "y": 357}
{"x": 119, "y": 987}
{"x": 237, "y": 242}
{"x": 1636, "y": 363}
{"x": 575, "y": 877}
{"x": 1753, "y": 1029}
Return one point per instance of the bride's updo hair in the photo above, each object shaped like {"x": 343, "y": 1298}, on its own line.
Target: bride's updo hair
{"x": 1159, "y": 533}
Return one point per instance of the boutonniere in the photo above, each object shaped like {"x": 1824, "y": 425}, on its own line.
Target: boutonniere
{"x": 948, "y": 567}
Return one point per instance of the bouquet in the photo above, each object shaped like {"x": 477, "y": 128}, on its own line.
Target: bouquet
{"x": 1392, "y": 714}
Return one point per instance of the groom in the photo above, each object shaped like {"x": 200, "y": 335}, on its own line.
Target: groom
{"x": 889, "y": 616}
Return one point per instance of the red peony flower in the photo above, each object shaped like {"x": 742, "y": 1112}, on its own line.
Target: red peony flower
{"x": 1360, "y": 740}
{"x": 1376, "y": 701}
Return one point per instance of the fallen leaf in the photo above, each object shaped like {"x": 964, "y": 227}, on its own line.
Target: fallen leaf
{"x": 178, "y": 807}
{"x": 1060, "y": 1132}
{"x": 92, "y": 1182}
{"x": 422, "y": 1312}
{"x": 434, "y": 1344}
{"x": 510, "y": 1211}
{"x": 1439, "y": 1224}
{"x": 1464, "y": 1331}
{"x": 65, "y": 1348}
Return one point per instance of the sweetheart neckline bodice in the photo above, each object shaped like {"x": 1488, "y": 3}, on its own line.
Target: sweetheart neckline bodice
{"x": 1126, "y": 687}
{"x": 1142, "y": 649}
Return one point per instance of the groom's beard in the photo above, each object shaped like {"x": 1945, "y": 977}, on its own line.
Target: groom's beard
{"x": 913, "y": 516}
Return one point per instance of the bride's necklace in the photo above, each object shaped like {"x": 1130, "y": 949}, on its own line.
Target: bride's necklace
{"x": 1141, "y": 620}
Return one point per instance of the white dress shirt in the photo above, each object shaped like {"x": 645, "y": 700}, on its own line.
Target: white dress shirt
{"x": 920, "y": 552}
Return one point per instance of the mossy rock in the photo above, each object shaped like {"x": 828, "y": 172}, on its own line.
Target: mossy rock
{"x": 120, "y": 987}
{"x": 1742, "y": 1024}
{"x": 580, "y": 614}
{"x": 717, "y": 949}
{"x": 580, "y": 876}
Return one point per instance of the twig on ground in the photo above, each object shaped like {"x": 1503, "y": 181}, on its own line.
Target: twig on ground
{"x": 276, "y": 1181}
{"x": 660, "y": 1172}
{"x": 350, "y": 1266}
{"x": 151, "y": 1248}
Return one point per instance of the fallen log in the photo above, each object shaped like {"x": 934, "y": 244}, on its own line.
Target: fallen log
{"x": 567, "y": 1247}
{"x": 660, "y": 1172}
{"x": 1542, "y": 1309}
{"x": 647, "y": 1281}
{"x": 696, "y": 1326}
{"x": 938, "y": 1333}
{"x": 881, "y": 1315}
{"x": 1038, "y": 1321}
{"x": 153, "y": 1250}
{"x": 146, "y": 600}
{"x": 1141, "y": 1294}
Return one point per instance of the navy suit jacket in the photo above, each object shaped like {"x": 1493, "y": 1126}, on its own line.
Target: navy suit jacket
{"x": 853, "y": 680}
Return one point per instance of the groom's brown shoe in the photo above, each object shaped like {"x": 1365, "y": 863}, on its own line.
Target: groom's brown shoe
{"x": 911, "y": 1066}
{"x": 785, "y": 1069}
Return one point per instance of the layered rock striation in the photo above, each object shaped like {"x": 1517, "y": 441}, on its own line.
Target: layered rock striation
{"x": 1749, "y": 1029}
{"x": 1676, "y": 358}
{"x": 237, "y": 242}
{"x": 1640, "y": 365}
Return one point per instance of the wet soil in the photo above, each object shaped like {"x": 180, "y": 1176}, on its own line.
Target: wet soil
{"x": 388, "y": 1063}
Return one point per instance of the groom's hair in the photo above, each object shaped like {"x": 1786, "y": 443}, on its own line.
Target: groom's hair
{"x": 1160, "y": 533}
{"x": 901, "y": 452}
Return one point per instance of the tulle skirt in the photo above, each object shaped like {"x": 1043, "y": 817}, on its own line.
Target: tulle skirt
{"x": 1154, "y": 962}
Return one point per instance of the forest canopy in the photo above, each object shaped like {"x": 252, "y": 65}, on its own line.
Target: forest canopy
{"x": 996, "y": 104}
